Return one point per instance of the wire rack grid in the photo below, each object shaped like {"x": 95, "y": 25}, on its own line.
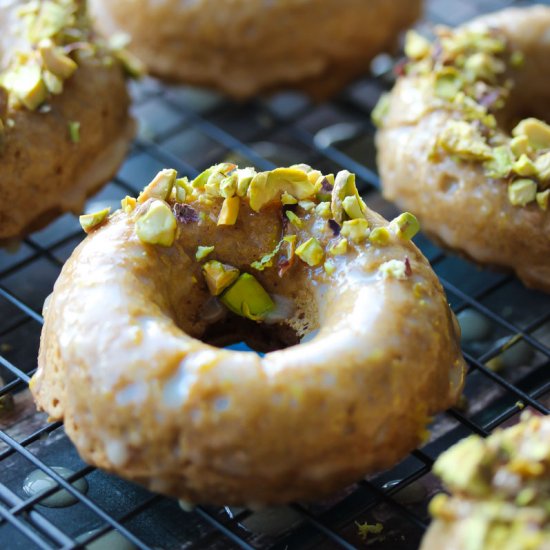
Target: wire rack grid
{"x": 190, "y": 129}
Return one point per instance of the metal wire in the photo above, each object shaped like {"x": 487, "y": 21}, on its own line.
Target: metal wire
{"x": 180, "y": 121}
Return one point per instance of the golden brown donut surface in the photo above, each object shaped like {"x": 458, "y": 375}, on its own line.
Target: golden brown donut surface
{"x": 124, "y": 362}
{"x": 64, "y": 123}
{"x": 244, "y": 46}
{"x": 500, "y": 491}
{"x": 453, "y": 148}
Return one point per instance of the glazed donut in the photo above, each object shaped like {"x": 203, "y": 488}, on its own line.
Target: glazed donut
{"x": 244, "y": 46}
{"x": 64, "y": 124}
{"x": 501, "y": 490}
{"x": 453, "y": 148}
{"x": 281, "y": 256}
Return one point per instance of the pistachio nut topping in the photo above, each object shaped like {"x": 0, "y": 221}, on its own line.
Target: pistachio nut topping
{"x": 522, "y": 192}
{"x": 405, "y": 226}
{"x": 311, "y": 252}
{"x": 380, "y": 236}
{"x": 55, "y": 33}
{"x": 356, "y": 230}
{"x": 503, "y": 482}
{"x": 74, "y": 131}
{"x": 160, "y": 187}
{"x": 247, "y": 297}
{"x": 89, "y": 222}
{"x": 158, "y": 225}
{"x": 468, "y": 71}
{"x": 230, "y": 211}
{"x": 219, "y": 276}
{"x": 394, "y": 269}
{"x": 203, "y": 252}
{"x": 339, "y": 248}
{"x": 346, "y": 200}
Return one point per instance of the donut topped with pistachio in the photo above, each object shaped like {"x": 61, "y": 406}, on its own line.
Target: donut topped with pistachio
{"x": 360, "y": 344}
{"x": 463, "y": 141}
{"x": 63, "y": 110}
{"x": 501, "y": 491}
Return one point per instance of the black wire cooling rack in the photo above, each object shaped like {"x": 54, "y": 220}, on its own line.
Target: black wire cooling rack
{"x": 181, "y": 127}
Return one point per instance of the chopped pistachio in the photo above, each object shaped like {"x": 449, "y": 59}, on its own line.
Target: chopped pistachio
{"x": 181, "y": 187}
{"x": 219, "y": 276}
{"x": 381, "y": 110}
{"x": 294, "y": 219}
{"x": 482, "y": 65}
{"x": 228, "y": 186}
{"x": 354, "y": 207}
{"x": 160, "y": 187}
{"x": 339, "y": 248}
{"x": 158, "y": 225}
{"x": 202, "y": 252}
{"x": 271, "y": 185}
{"x": 542, "y": 199}
{"x": 313, "y": 176}
{"x": 302, "y": 166}
{"x": 380, "y": 236}
{"x": 323, "y": 210}
{"x": 218, "y": 171}
{"x": 230, "y": 211}
{"x": 55, "y": 60}
{"x": 128, "y": 204}
{"x": 520, "y": 145}
{"x": 344, "y": 186}
{"x": 522, "y": 192}
{"x": 311, "y": 252}
{"x": 244, "y": 177}
{"x": 405, "y": 226}
{"x": 395, "y": 269}
{"x": 447, "y": 83}
{"x": 501, "y": 164}
{"x": 536, "y": 131}
{"x": 416, "y": 46}
{"x": 28, "y": 86}
{"x": 267, "y": 259}
{"x": 462, "y": 139}
{"x": 50, "y": 19}
{"x": 91, "y": 221}
{"x": 330, "y": 267}
{"x": 131, "y": 64}
{"x": 308, "y": 206}
{"x": 287, "y": 198}
{"x": 542, "y": 167}
{"x": 53, "y": 83}
{"x": 356, "y": 230}
{"x": 524, "y": 166}
{"x": 74, "y": 131}
{"x": 248, "y": 298}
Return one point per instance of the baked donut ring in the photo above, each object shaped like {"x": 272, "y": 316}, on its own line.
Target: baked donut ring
{"x": 501, "y": 491}
{"x": 452, "y": 147}
{"x": 123, "y": 358}
{"x": 64, "y": 123}
{"x": 244, "y": 46}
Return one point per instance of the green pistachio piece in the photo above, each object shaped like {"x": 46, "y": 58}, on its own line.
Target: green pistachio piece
{"x": 131, "y": 64}
{"x": 294, "y": 219}
{"x": 267, "y": 259}
{"x": 219, "y": 276}
{"x": 202, "y": 252}
{"x": 416, "y": 46}
{"x": 182, "y": 188}
{"x": 344, "y": 186}
{"x": 536, "y": 131}
{"x": 522, "y": 192}
{"x": 330, "y": 267}
{"x": 482, "y": 65}
{"x": 55, "y": 60}
{"x": 230, "y": 211}
{"x": 520, "y": 146}
{"x": 524, "y": 166}
{"x": 308, "y": 206}
{"x": 244, "y": 177}
{"x": 90, "y": 221}
{"x": 160, "y": 187}
{"x": 339, "y": 248}
{"x": 51, "y": 18}
{"x": 303, "y": 167}
{"x": 447, "y": 83}
{"x": 542, "y": 167}
{"x": 53, "y": 83}
{"x": 323, "y": 210}
{"x": 128, "y": 204}
{"x": 74, "y": 131}
{"x": 501, "y": 163}
{"x": 313, "y": 176}
{"x": 354, "y": 207}
{"x": 219, "y": 171}
{"x": 393, "y": 269}
{"x": 380, "y": 236}
{"x": 158, "y": 225}
{"x": 462, "y": 139}
{"x": 405, "y": 226}
{"x": 356, "y": 230}
{"x": 287, "y": 198}
{"x": 28, "y": 86}
{"x": 263, "y": 190}
{"x": 542, "y": 199}
{"x": 248, "y": 298}
{"x": 311, "y": 252}
{"x": 381, "y": 110}
{"x": 228, "y": 186}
